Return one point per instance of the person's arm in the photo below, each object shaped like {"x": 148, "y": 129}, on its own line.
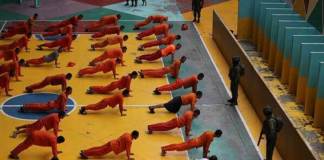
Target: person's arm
{"x": 54, "y": 148}
{"x": 128, "y": 149}
{"x": 56, "y": 128}
{"x": 56, "y": 64}
{"x": 114, "y": 71}
{"x": 193, "y": 105}
{"x": 128, "y": 85}
{"x": 188, "y": 128}
{"x": 64, "y": 85}
{"x": 194, "y": 88}
{"x": 121, "y": 108}
{"x": 122, "y": 60}
{"x": 206, "y": 149}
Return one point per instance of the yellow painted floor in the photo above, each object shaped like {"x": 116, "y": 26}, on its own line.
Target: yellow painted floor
{"x": 228, "y": 11}
{"x": 94, "y": 129}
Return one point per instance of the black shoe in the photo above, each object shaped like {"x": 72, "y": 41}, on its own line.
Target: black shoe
{"x": 126, "y": 4}
{"x": 141, "y": 74}
{"x": 194, "y": 20}
{"x": 82, "y": 156}
{"x": 198, "y": 21}
{"x": 230, "y": 100}
{"x": 89, "y": 91}
{"x": 82, "y": 111}
{"x": 138, "y": 61}
{"x": 151, "y": 109}
{"x": 156, "y": 92}
{"x": 140, "y": 48}
{"x": 39, "y": 48}
{"x": 29, "y": 91}
{"x": 13, "y": 157}
{"x": 21, "y": 110}
{"x": 93, "y": 48}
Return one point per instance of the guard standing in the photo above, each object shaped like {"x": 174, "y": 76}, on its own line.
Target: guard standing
{"x": 236, "y": 71}
{"x": 196, "y": 8}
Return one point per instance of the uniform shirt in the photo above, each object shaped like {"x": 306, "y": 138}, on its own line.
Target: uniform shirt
{"x": 175, "y": 68}
{"x": 189, "y": 98}
{"x": 190, "y": 81}
{"x": 23, "y": 42}
{"x": 186, "y": 120}
{"x": 66, "y": 41}
{"x": 115, "y": 39}
{"x": 122, "y": 143}
{"x": 107, "y": 66}
{"x": 52, "y": 56}
{"x": 7, "y": 67}
{"x": 111, "y": 30}
{"x": 109, "y": 19}
{"x": 60, "y": 102}
{"x": 44, "y": 138}
{"x": 73, "y": 20}
{"x": 125, "y": 82}
{"x": 114, "y": 53}
{"x": 114, "y": 100}
{"x": 59, "y": 79}
{"x": 158, "y": 18}
{"x": 170, "y": 49}
{"x": 169, "y": 39}
{"x": 161, "y": 29}
{"x": 50, "y": 121}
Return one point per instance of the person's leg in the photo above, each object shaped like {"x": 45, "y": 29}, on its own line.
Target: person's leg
{"x": 271, "y": 143}
{"x": 142, "y": 23}
{"x": 151, "y": 44}
{"x": 135, "y": 3}
{"x": 127, "y": 3}
{"x": 98, "y": 35}
{"x": 100, "y": 44}
{"x": 145, "y": 33}
{"x": 100, "y": 58}
{"x": 39, "y": 85}
{"x": 36, "y": 61}
{"x": 36, "y": 107}
{"x": 165, "y": 126}
{"x": 156, "y": 73}
{"x": 234, "y": 90}
{"x": 150, "y": 57}
{"x": 98, "y": 151}
{"x": 103, "y": 89}
{"x": 21, "y": 147}
{"x": 198, "y": 14}
{"x": 88, "y": 70}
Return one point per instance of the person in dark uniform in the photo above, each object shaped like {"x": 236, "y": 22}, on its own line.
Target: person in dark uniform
{"x": 134, "y": 3}
{"x": 236, "y": 71}
{"x": 196, "y": 8}
{"x": 271, "y": 125}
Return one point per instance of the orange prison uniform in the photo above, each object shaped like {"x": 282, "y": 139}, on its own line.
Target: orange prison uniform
{"x": 65, "y": 30}
{"x": 175, "y": 68}
{"x": 106, "y": 66}
{"x": 109, "y": 101}
{"x": 169, "y": 39}
{"x": 122, "y": 143}
{"x": 156, "y": 73}
{"x": 187, "y": 82}
{"x": 64, "y": 42}
{"x": 9, "y": 46}
{"x": 203, "y": 140}
{"x": 122, "y": 83}
{"x": 50, "y": 121}
{"x": 23, "y": 42}
{"x": 154, "y": 19}
{"x": 38, "y": 138}
{"x": 4, "y": 81}
{"x": 58, "y": 79}
{"x": 7, "y": 67}
{"x": 73, "y": 20}
{"x": 106, "y": 31}
{"x": 111, "y": 40}
{"x": 59, "y": 104}
{"x": 19, "y": 29}
{"x": 105, "y": 20}
{"x": 8, "y": 55}
{"x": 111, "y": 53}
{"x": 170, "y": 49}
{"x": 157, "y": 30}
{"x": 184, "y": 120}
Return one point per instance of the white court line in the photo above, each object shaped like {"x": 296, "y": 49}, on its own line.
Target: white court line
{"x": 228, "y": 92}
{"x": 4, "y": 24}
{"x": 89, "y": 20}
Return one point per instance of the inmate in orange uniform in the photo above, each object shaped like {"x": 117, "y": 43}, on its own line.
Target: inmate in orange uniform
{"x": 8, "y": 55}
{"x": 203, "y": 140}
{"x": 65, "y": 43}
{"x": 64, "y": 30}
{"x": 191, "y": 81}
{"x": 169, "y": 39}
{"x": 149, "y": 19}
{"x": 9, "y": 46}
{"x": 11, "y": 69}
{"x": 50, "y": 121}
{"x": 113, "y": 101}
{"x": 23, "y": 42}
{"x": 59, "y": 79}
{"x": 169, "y": 50}
{"x": 184, "y": 120}
{"x": 4, "y": 82}
{"x": 160, "y": 29}
{"x": 38, "y": 138}
{"x": 107, "y": 31}
{"x": 59, "y": 104}
{"x": 111, "y": 40}
{"x": 73, "y": 21}
{"x": 23, "y": 28}
{"x": 122, "y": 143}
{"x": 106, "y": 66}
{"x": 123, "y": 82}
{"x": 105, "y": 20}
{"x": 110, "y": 54}
{"x": 173, "y": 69}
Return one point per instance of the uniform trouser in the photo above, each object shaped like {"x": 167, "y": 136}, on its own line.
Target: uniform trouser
{"x": 89, "y": 70}
{"x": 271, "y": 143}
{"x": 156, "y": 73}
{"x": 196, "y": 13}
{"x": 142, "y": 23}
{"x": 181, "y": 146}
{"x": 234, "y": 90}
{"x": 165, "y": 126}
{"x": 52, "y": 44}
{"x": 146, "y": 33}
{"x": 39, "y": 85}
{"x": 98, "y": 151}
{"x": 36, "y": 61}
{"x": 151, "y": 57}
{"x": 38, "y": 107}
{"x": 170, "y": 87}
{"x": 104, "y": 89}
{"x": 22, "y": 146}
{"x": 134, "y": 2}
{"x": 101, "y": 44}
{"x": 152, "y": 43}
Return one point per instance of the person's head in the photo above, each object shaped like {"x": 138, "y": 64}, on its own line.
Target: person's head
{"x": 199, "y": 94}
{"x": 124, "y": 49}
{"x": 60, "y": 139}
{"x": 61, "y": 49}
{"x": 80, "y": 16}
{"x": 35, "y": 16}
{"x": 183, "y": 59}
{"x": 74, "y": 36}
{"x": 196, "y": 113}
{"x": 125, "y": 38}
{"x": 235, "y": 61}
{"x": 133, "y": 75}
{"x": 118, "y": 16}
{"x": 122, "y": 27}
{"x": 178, "y": 46}
{"x": 267, "y": 111}
{"x": 17, "y": 50}
{"x": 178, "y": 37}
{"x": 68, "y": 90}
{"x": 21, "y": 62}
{"x": 200, "y": 76}
{"x": 170, "y": 26}
{"x": 218, "y": 133}
{"x": 213, "y": 157}
{"x": 125, "y": 93}
{"x": 135, "y": 134}
{"x": 61, "y": 114}
{"x": 29, "y": 34}
{"x": 68, "y": 76}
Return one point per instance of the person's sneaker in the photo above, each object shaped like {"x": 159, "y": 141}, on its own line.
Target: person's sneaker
{"x": 29, "y": 91}
{"x": 21, "y": 110}
{"x": 151, "y": 109}
{"x": 138, "y": 38}
{"x": 136, "y": 28}
{"x": 89, "y": 91}
{"x": 198, "y": 20}
{"x": 13, "y": 156}
{"x": 194, "y": 20}
{"x": 82, "y": 156}
{"x": 93, "y": 48}
{"x": 140, "y": 48}
{"x": 138, "y": 61}
{"x": 14, "y": 134}
{"x": 149, "y": 132}
{"x": 39, "y": 48}
{"x": 230, "y": 101}
{"x": 141, "y": 74}
{"x": 157, "y": 92}
{"x": 163, "y": 152}
{"x": 82, "y": 111}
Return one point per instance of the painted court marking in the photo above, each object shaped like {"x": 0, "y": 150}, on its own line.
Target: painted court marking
{"x": 228, "y": 93}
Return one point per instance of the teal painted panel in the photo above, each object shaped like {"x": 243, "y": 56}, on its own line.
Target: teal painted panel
{"x": 314, "y": 66}
{"x": 269, "y": 17}
{"x": 306, "y": 49}
{"x": 261, "y": 14}
{"x": 320, "y": 90}
{"x": 290, "y": 31}
{"x": 246, "y": 9}
{"x": 296, "y": 47}
{"x": 275, "y": 23}
{"x": 257, "y": 4}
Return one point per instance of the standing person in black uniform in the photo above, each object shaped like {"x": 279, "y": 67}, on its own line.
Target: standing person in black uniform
{"x": 271, "y": 125}
{"x": 236, "y": 71}
{"x": 134, "y": 3}
{"x": 196, "y": 8}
